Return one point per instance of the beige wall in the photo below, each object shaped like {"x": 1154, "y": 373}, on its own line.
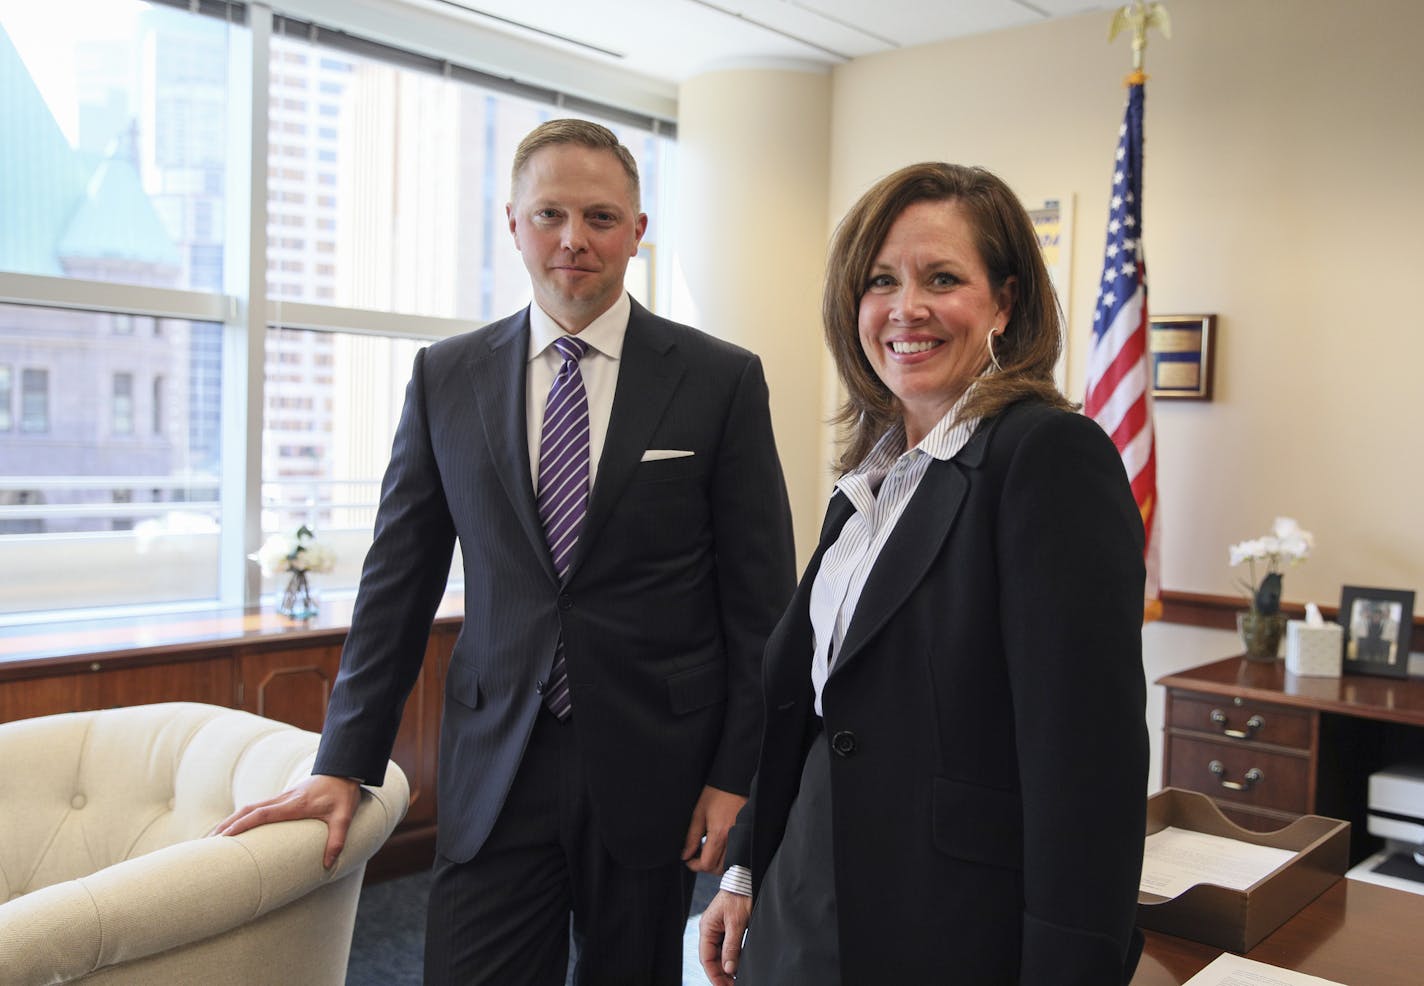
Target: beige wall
{"x": 753, "y": 151}
{"x": 1284, "y": 192}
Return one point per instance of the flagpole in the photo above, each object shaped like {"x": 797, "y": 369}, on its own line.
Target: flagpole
{"x": 1119, "y": 388}
{"x": 1139, "y": 16}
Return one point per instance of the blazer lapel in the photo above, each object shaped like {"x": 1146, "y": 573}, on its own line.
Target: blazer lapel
{"x": 498, "y": 376}
{"x": 913, "y": 545}
{"x": 649, "y": 372}
{"x": 788, "y": 680}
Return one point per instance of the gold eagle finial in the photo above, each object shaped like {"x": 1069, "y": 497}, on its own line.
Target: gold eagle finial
{"x": 1139, "y": 16}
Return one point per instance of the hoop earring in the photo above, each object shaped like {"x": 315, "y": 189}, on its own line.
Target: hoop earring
{"x": 993, "y": 357}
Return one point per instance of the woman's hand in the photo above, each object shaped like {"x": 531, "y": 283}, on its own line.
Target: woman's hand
{"x": 720, "y": 932}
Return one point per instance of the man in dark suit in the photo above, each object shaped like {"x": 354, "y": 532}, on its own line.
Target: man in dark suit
{"x": 612, "y": 481}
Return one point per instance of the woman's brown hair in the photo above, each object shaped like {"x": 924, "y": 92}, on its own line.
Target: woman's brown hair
{"x": 1030, "y": 344}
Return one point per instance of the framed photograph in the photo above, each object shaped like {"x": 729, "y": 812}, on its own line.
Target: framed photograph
{"x": 1180, "y": 348}
{"x": 1379, "y": 626}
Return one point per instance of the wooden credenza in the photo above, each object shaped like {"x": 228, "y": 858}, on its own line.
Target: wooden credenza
{"x": 252, "y": 660}
{"x": 1270, "y": 746}
{"x": 1355, "y": 933}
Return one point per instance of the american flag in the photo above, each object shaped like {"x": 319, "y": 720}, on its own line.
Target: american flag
{"x": 1119, "y": 396}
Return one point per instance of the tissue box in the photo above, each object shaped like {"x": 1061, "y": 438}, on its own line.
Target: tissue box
{"x": 1314, "y": 649}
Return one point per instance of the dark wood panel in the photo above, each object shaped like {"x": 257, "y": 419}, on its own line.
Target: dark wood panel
{"x": 94, "y": 686}
{"x": 410, "y": 849}
{"x": 289, "y": 684}
{"x": 417, "y": 746}
{"x": 1398, "y": 700}
{"x": 1259, "y": 722}
{"x": 1285, "y": 781}
{"x": 185, "y": 681}
{"x": 39, "y": 697}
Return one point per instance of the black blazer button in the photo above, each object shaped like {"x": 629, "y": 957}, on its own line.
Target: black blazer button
{"x": 539, "y": 687}
{"x": 843, "y": 743}
{"x": 565, "y": 601}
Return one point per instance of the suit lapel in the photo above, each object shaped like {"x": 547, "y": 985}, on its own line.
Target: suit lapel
{"x": 787, "y": 679}
{"x": 917, "y": 539}
{"x": 648, "y": 375}
{"x": 498, "y": 376}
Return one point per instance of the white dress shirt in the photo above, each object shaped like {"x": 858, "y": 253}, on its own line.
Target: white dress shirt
{"x": 599, "y": 367}
{"x": 879, "y": 489}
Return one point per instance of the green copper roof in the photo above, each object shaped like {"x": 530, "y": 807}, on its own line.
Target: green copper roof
{"x": 53, "y": 204}
{"x": 116, "y": 221}
{"x": 40, "y": 180}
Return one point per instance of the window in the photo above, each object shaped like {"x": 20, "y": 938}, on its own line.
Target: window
{"x": 123, "y": 404}
{"x": 115, "y": 134}
{"x": 6, "y": 385}
{"x": 158, "y": 385}
{"x": 385, "y": 189}
{"x": 140, "y": 514}
{"x": 34, "y": 401}
{"x": 330, "y": 419}
{"x": 426, "y": 161}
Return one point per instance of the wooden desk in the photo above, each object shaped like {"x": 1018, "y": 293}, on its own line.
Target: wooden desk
{"x": 1312, "y": 741}
{"x": 1355, "y": 933}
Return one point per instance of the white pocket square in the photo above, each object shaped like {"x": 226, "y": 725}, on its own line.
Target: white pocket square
{"x": 653, "y": 454}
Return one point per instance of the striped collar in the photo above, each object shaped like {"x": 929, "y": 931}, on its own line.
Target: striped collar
{"x": 943, "y": 442}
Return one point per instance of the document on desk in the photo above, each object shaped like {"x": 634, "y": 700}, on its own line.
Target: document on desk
{"x": 1175, "y": 859}
{"x": 1233, "y": 970}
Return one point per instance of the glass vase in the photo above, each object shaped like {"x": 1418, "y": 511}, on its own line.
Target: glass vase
{"x": 298, "y": 602}
{"x": 1261, "y": 633}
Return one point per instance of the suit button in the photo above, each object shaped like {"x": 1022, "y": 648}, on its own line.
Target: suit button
{"x": 565, "y": 601}
{"x": 843, "y": 743}
{"x": 539, "y": 687}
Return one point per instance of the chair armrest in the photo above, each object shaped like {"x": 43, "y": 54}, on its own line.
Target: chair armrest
{"x": 184, "y": 893}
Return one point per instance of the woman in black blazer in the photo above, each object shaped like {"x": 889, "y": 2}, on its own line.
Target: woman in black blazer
{"x": 952, "y": 781}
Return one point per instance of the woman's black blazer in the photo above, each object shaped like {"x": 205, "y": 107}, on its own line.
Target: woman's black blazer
{"x": 986, "y": 721}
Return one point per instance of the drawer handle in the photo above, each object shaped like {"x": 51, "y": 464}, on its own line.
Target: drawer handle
{"x": 1219, "y": 769}
{"x": 1252, "y": 724}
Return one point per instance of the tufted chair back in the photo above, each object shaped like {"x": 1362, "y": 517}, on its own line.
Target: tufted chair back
{"x": 106, "y": 873}
{"x": 83, "y": 791}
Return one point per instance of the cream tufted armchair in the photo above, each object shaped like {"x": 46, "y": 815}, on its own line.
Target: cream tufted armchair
{"x": 106, "y": 875}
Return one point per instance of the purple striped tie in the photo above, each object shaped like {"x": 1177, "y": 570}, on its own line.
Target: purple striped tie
{"x": 563, "y": 486}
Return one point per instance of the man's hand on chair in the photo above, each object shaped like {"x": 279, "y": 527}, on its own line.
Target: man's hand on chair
{"x": 331, "y": 799}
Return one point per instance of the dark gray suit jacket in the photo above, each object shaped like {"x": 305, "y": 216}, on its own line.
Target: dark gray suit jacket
{"x": 683, "y": 567}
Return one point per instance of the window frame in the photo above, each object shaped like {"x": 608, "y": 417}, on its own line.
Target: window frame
{"x": 419, "y": 39}
{"x": 7, "y": 397}
{"x": 31, "y": 423}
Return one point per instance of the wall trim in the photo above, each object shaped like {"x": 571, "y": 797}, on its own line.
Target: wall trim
{"x": 1200, "y": 609}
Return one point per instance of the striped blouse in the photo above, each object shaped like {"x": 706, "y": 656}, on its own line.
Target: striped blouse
{"x": 879, "y": 489}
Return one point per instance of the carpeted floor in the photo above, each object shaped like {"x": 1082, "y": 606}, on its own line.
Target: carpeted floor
{"x": 390, "y": 933}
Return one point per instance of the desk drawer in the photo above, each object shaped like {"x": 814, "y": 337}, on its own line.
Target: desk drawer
{"x": 1257, "y": 722}
{"x": 1283, "y": 782}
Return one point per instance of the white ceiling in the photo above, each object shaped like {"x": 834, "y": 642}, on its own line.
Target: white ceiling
{"x": 671, "y": 40}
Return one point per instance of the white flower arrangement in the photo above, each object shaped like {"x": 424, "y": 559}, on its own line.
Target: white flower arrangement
{"x": 1287, "y": 544}
{"x": 298, "y": 552}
